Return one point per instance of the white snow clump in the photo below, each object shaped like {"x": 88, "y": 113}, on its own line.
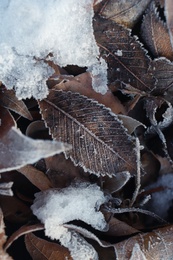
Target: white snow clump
{"x": 77, "y": 202}
{"x": 32, "y": 29}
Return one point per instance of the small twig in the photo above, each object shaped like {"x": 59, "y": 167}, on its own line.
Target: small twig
{"x": 128, "y": 210}
{"x": 138, "y": 173}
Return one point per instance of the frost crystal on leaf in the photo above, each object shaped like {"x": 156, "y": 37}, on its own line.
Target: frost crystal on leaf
{"x": 78, "y": 202}
{"x": 63, "y": 28}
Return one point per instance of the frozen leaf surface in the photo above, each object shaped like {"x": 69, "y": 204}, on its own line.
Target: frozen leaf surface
{"x": 153, "y": 245}
{"x": 100, "y": 143}
{"x": 124, "y": 12}
{"x": 155, "y": 34}
{"x": 17, "y": 150}
{"x": 126, "y": 58}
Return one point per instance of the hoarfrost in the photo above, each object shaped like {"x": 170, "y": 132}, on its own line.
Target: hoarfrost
{"x": 119, "y": 53}
{"x": 78, "y": 202}
{"x": 63, "y": 28}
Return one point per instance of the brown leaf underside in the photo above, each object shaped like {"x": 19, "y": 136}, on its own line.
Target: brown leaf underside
{"x": 100, "y": 143}
{"x": 41, "y": 249}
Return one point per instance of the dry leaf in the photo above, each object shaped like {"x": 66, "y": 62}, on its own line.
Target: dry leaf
{"x": 100, "y": 143}
{"x": 22, "y": 231}
{"x": 58, "y": 171}
{"x": 83, "y": 85}
{"x": 9, "y": 100}
{"x": 18, "y": 150}
{"x": 14, "y": 210}
{"x": 36, "y": 177}
{"x": 125, "y": 12}
{"x": 115, "y": 183}
{"x": 162, "y": 70}
{"x": 3, "y": 254}
{"x": 127, "y": 60}
{"x": 155, "y": 34}
{"x": 154, "y": 245}
{"x": 41, "y": 249}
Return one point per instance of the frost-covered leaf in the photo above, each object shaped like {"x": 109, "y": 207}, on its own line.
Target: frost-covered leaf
{"x": 82, "y": 84}
{"x": 154, "y": 245}
{"x": 126, "y": 58}
{"x": 100, "y": 143}
{"x": 9, "y": 100}
{"x": 17, "y": 150}
{"x": 41, "y": 249}
{"x": 155, "y": 34}
{"x": 162, "y": 70}
{"x": 115, "y": 183}
{"x": 125, "y": 12}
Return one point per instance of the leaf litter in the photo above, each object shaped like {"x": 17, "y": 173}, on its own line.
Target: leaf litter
{"x": 107, "y": 161}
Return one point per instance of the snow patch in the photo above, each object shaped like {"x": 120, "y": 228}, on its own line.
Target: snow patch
{"x": 30, "y": 30}
{"x": 119, "y": 53}
{"x": 77, "y": 202}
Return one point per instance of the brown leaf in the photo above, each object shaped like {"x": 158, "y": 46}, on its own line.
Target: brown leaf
{"x": 58, "y": 171}
{"x": 119, "y": 228}
{"x": 162, "y": 70}
{"x": 22, "y": 231}
{"x": 41, "y": 249}
{"x": 9, "y": 100}
{"x": 15, "y": 210}
{"x": 130, "y": 123}
{"x": 83, "y": 85}
{"x": 127, "y": 60}
{"x": 115, "y": 183}
{"x": 36, "y": 177}
{"x": 99, "y": 141}
{"x": 153, "y": 245}
{"x": 155, "y": 34}
{"x": 125, "y": 12}
{"x": 3, "y": 254}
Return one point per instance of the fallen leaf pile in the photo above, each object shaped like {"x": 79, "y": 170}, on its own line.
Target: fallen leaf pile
{"x": 120, "y": 142}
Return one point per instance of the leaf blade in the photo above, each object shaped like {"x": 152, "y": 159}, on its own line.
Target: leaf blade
{"x": 93, "y": 129}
